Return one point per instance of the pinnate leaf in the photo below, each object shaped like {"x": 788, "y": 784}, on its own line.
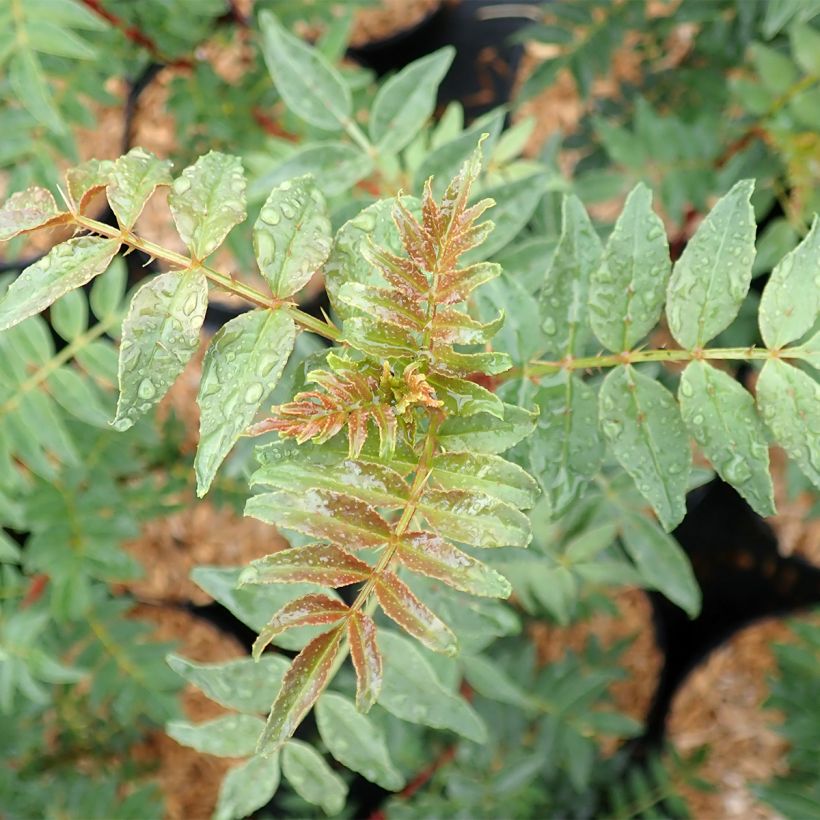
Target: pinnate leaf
{"x": 206, "y": 200}
{"x": 227, "y": 736}
{"x": 309, "y": 610}
{"x": 247, "y": 787}
{"x": 323, "y": 514}
{"x": 721, "y": 417}
{"x": 711, "y": 278}
{"x": 628, "y": 288}
{"x": 788, "y": 400}
{"x": 407, "y": 100}
{"x": 133, "y": 179}
{"x": 159, "y": 336}
{"x": 324, "y": 564}
{"x": 303, "y": 683}
{"x": 65, "y": 267}
{"x": 431, "y": 555}
{"x": 27, "y": 210}
{"x": 243, "y": 364}
{"x": 309, "y": 85}
{"x": 642, "y": 423}
{"x": 312, "y": 779}
{"x": 791, "y": 298}
{"x": 291, "y": 237}
{"x": 355, "y": 741}
{"x": 366, "y": 657}
{"x": 400, "y": 604}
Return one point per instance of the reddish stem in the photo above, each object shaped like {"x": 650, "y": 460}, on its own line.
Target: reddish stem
{"x": 36, "y": 588}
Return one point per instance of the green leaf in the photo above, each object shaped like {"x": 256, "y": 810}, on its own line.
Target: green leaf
{"x": 487, "y": 474}
{"x": 291, "y": 237}
{"x": 355, "y": 741}
{"x": 303, "y": 683}
{"x": 566, "y": 450}
{"x": 228, "y": 736}
{"x": 430, "y": 555}
{"x": 65, "y": 267}
{"x": 247, "y": 787}
{"x": 159, "y": 336}
{"x": 311, "y": 778}
{"x": 28, "y": 210}
{"x": 49, "y": 38}
{"x": 407, "y": 100}
{"x": 134, "y": 178}
{"x": 484, "y": 433}
{"x": 776, "y": 71}
{"x": 628, "y": 289}
{"x": 69, "y": 315}
{"x": 564, "y": 295}
{"x": 661, "y": 562}
{"x": 788, "y": 400}
{"x": 399, "y": 604}
{"x": 491, "y": 681}
{"x": 309, "y": 85}
{"x": 805, "y": 43}
{"x": 642, "y": 423}
{"x": 79, "y": 397}
{"x": 87, "y": 179}
{"x": 710, "y": 280}
{"x": 721, "y": 417}
{"x": 108, "y": 291}
{"x": 412, "y": 692}
{"x": 25, "y": 75}
{"x": 242, "y": 365}
{"x": 462, "y": 397}
{"x": 366, "y": 657}
{"x": 206, "y": 200}
{"x": 323, "y": 564}
{"x": 790, "y": 301}
{"x": 244, "y": 684}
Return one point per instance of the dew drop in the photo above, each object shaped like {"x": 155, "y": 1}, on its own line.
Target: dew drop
{"x": 190, "y": 305}
{"x": 265, "y": 248}
{"x": 146, "y": 389}
{"x": 270, "y": 215}
{"x": 181, "y": 185}
{"x": 287, "y": 211}
{"x": 686, "y": 389}
{"x": 549, "y": 326}
{"x": 697, "y": 420}
{"x": 253, "y": 393}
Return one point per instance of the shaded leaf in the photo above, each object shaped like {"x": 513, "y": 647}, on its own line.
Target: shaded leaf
{"x": 27, "y": 210}
{"x": 721, "y": 417}
{"x": 247, "y": 787}
{"x": 641, "y": 421}
{"x": 65, "y": 267}
{"x": 26, "y": 78}
{"x": 134, "y": 178}
{"x": 366, "y": 657}
{"x": 711, "y": 278}
{"x": 628, "y": 289}
{"x": 227, "y": 736}
{"x": 309, "y": 610}
{"x": 159, "y": 336}
{"x": 242, "y": 365}
{"x": 324, "y": 564}
{"x": 206, "y": 200}
{"x": 311, "y": 778}
{"x": 291, "y": 237}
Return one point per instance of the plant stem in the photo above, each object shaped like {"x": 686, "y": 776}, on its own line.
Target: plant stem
{"x": 538, "y": 368}
{"x": 222, "y": 280}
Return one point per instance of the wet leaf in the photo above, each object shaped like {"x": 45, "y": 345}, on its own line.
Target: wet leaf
{"x": 710, "y": 280}
{"x": 721, "y": 417}
{"x": 87, "y": 179}
{"x": 206, "y": 200}
{"x": 65, "y": 267}
{"x": 431, "y": 555}
{"x": 309, "y": 610}
{"x": 324, "y": 564}
{"x": 291, "y": 237}
{"x": 399, "y": 604}
{"x": 244, "y": 684}
{"x": 566, "y": 450}
{"x": 159, "y": 336}
{"x": 413, "y": 692}
{"x": 355, "y": 741}
{"x": 463, "y": 398}
{"x": 564, "y": 295}
{"x": 641, "y": 421}
{"x": 227, "y": 736}
{"x": 311, "y": 88}
{"x": 788, "y": 400}
{"x": 661, "y": 562}
{"x": 406, "y": 101}
{"x": 242, "y": 365}
{"x": 366, "y": 657}
{"x": 247, "y": 787}
{"x": 27, "y": 210}
{"x": 791, "y": 298}
{"x": 326, "y": 514}
{"x": 303, "y": 683}
{"x": 484, "y": 433}
{"x": 133, "y": 179}
{"x": 628, "y": 289}
{"x": 311, "y": 778}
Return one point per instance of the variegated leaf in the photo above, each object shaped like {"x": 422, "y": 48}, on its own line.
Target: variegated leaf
{"x": 324, "y": 564}
{"x": 28, "y": 210}
{"x": 366, "y": 657}
{"x": 309, "y": 610}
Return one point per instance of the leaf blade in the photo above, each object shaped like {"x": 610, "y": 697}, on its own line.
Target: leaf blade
{"x": 366, "y": 657}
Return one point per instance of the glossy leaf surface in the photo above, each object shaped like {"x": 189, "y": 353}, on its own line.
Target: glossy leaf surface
{"x": 486, "y": 434}
{"x": 366, "y": 657}
{"x": 134, "y": 178}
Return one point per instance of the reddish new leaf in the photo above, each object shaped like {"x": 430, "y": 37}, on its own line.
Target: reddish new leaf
{"x": 431, "y": 555}
{"x": 309, "y": 610}
{"x": 399, "y": 603}
{"x": 367, "y": 659}
{"x": 303, "y": 683}
{"x": 28, "y": 210}
{"x": 324, "y": 564}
